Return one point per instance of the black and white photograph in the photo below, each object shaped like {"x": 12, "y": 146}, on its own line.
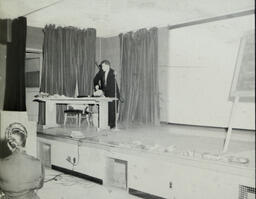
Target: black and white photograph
{"x": 127, "y": 99}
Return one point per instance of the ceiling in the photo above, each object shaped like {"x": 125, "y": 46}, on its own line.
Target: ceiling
{"x": 111, "y": 17}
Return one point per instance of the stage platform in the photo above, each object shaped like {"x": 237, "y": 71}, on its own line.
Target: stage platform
{"x": 166, "y": 154}
{"x": 181, "y": 141}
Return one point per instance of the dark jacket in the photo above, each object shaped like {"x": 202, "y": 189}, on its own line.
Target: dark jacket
{"x": 109, "y": 88}
{"x": 98, "y": 78}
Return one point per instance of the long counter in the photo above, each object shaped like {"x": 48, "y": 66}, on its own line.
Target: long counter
{"x": 162, "y": 174}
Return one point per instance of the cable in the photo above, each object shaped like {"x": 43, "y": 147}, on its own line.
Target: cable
{"x": 73, "y": 162}
{"x": 53, "y": 178}
{"x": 78, "y": 155}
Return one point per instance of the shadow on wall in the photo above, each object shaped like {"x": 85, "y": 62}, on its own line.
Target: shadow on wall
{"x": 4, "y": 150}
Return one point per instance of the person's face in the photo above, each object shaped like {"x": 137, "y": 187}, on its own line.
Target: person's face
{"x": 105, "y": 67}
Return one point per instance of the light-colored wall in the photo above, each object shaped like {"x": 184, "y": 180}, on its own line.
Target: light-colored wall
{"x": 34, "y": 41}
{"x": 32, "y": 106}
{"x": 163, "y": 61}
{"x": 197, "y": 80}
{"x": 35, "y": 38}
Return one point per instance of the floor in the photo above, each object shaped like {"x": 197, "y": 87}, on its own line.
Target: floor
{"x": 66, "y": 187}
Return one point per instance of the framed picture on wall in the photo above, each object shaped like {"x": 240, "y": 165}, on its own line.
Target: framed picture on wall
{"x": 243, "y": 84}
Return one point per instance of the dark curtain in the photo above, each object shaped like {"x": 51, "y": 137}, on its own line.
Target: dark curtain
{"x": 14, "y": 99}
{"x": 139, "y": 77}
{"x": 67, "y": 61}
{"x": 86, "y": 46}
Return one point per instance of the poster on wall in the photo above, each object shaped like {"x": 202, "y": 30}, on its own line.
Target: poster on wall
{"x": 243, "y": 84}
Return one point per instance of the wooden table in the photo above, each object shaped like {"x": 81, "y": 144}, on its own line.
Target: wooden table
{"x": 51, "y": 102}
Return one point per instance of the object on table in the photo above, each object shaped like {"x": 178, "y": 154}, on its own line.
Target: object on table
{"x": 209, "y": 156}
{"x": 239, "y": 160}
{"x": 77, "y": 134}
{"x": 170, "y": 148}
{"x": 98, "y": 93}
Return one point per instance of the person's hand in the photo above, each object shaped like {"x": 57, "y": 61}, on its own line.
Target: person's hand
{"x": 97, "y": 87}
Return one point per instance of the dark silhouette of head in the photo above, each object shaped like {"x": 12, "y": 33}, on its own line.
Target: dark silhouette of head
{"x": 105, "y": 65}
{"x": 105, "y": 62}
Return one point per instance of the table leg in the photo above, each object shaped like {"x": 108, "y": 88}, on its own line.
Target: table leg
{"x": 103, "y": 115}
{"x": 50, "y": 115}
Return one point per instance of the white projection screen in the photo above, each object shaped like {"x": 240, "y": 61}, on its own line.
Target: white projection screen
{"x": 195, "y": 86}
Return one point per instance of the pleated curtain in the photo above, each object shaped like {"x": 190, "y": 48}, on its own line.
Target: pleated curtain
{"x": 68, "y": 61}
{"x": 139, "y": 77}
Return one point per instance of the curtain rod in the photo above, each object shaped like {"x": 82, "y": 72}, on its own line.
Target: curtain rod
{"x": 196, "y": 22}
{"x": 212, "y": 19}
{"x": 36, "y": 10}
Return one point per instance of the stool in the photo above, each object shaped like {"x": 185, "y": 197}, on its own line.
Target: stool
{"x": 73, "y": 114}
{"x": 87, "y": 114}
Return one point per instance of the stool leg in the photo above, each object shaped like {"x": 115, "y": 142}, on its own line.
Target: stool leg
{"x": 87, "y": 120}
{"x": 65, "y": 119}
{"x": 79, "y": 119}
{"x": 90, "y": 119}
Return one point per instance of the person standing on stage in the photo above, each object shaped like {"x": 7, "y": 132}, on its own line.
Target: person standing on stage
{"x": 110, "y": 89}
